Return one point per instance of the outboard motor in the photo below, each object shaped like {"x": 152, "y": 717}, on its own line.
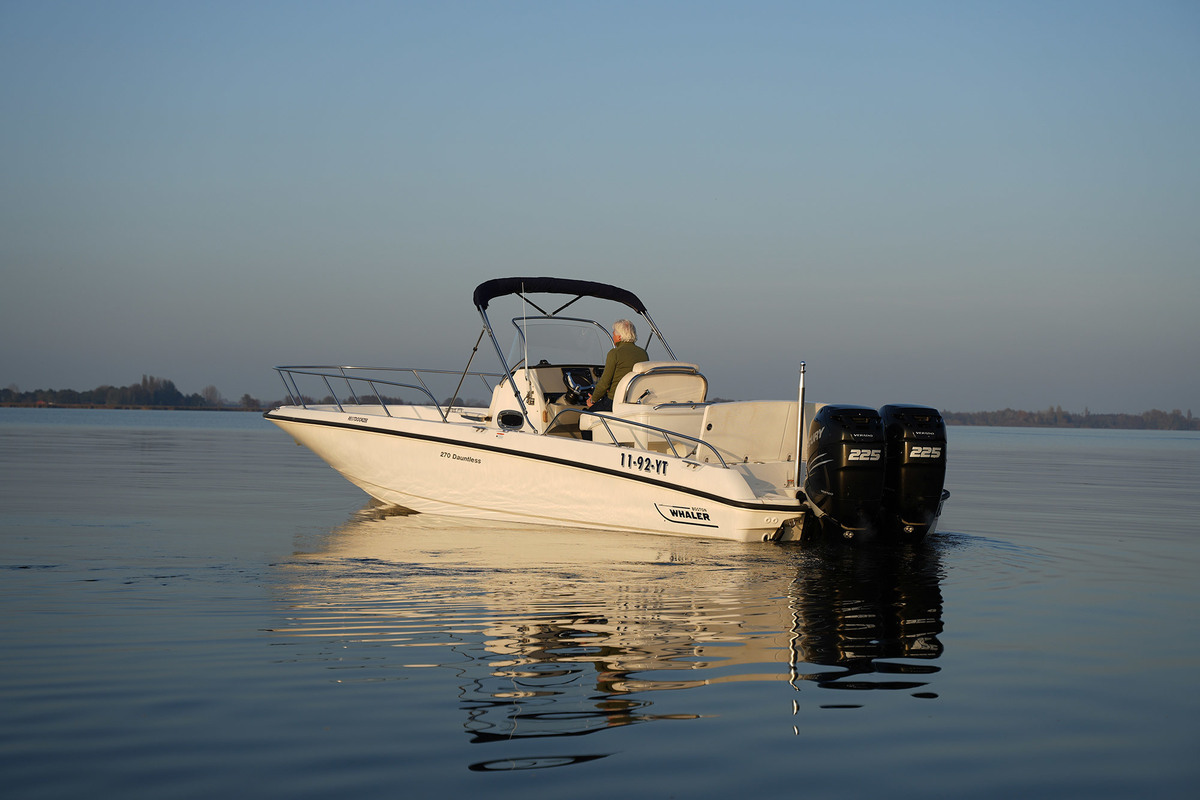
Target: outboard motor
{"x": 845, "y": 475}
{"x": 916, "y": 470}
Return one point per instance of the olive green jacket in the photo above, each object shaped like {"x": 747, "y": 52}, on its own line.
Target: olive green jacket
{"x": 617, "y": 365}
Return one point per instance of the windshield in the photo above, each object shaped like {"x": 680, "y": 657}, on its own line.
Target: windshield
{"x": 558, "y": 340}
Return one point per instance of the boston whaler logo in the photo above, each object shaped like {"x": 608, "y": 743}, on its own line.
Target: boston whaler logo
{"x": 686, "y": 515}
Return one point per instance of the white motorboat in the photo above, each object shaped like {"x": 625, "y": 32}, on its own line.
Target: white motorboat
{"x": 666, "y": 460}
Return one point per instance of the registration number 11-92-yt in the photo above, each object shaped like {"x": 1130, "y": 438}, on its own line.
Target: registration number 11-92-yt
{"x": 658, "y": 466}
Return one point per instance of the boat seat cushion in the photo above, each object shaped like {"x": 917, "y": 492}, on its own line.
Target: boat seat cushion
{"x": 658, "y": 382}
{"x": 662, "y": 394}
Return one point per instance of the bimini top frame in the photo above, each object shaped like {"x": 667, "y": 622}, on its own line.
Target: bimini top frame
{"x": 578, "y": 289}
{"x": 499, "y": 287}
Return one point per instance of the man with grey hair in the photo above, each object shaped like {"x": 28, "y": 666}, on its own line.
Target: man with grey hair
{"x": 617, "y": 365}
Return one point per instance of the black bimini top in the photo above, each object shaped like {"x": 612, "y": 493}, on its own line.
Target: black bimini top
{"x": 499, "y": 287}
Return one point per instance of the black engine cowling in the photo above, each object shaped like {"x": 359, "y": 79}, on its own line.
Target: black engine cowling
{"x": 845, "y": 475}
{"x": 915, "y": 461}
{"x": 877, "y": 472}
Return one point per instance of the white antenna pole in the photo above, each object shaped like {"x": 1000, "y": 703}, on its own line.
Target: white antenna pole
{"x": 799, "y": 424}
{"x": 525, "y": 339}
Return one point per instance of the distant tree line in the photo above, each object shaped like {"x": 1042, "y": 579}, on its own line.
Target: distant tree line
{"x": 151, "y": 392}
{"x": 1055, "y": 417}
{"x": 154, "y": 392}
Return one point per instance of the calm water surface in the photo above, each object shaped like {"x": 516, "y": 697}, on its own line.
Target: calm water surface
{"x": 194, "y": 606}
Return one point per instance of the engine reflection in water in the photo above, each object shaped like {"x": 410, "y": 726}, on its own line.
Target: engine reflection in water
{"x": 555, "y": 633}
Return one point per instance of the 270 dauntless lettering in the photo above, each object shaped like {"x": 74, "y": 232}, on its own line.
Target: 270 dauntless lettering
{"x": 457, "y": 457}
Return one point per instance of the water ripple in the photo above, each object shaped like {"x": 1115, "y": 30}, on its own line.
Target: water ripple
{"x": 550, "y": 635}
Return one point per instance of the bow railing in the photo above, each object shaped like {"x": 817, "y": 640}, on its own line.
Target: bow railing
{"x": 365, "y": 386}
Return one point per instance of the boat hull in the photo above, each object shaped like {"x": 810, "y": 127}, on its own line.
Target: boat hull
{"x": 479, "y": 472}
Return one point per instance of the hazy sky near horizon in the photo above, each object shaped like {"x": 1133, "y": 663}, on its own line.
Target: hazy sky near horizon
{"x": 973, "y": 205}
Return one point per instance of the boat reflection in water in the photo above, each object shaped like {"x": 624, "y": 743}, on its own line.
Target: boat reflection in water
{"x": 551, "y": 632}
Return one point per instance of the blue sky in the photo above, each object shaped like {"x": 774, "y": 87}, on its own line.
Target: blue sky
{"x": 973, "y": 205}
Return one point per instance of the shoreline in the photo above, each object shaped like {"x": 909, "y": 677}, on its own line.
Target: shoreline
{"x": 1166, "y": 422}
{"x": 130, "y": 407}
